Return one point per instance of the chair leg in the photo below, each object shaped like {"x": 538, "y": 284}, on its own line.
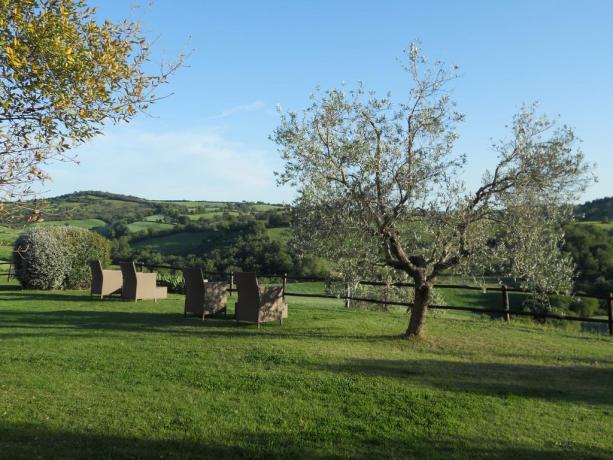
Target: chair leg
{"x": 258, "y": 324}
{"x": 281, "y": 321}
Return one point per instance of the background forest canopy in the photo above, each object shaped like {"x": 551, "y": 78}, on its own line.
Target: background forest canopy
{"x": 223, "y": 236}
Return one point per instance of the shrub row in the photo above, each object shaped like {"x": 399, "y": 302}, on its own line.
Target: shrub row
{"x": 56, "y": 257}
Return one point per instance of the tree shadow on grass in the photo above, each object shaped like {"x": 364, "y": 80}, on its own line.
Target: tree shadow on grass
{"x": 585, "y": 384}
{"x": 117, "y": 320}
{"x": 160, "y": 322}
{"x": 28, "y": 441}
{"x": 488, "y": 299}
{"x": 18, "y": 295}
{"x": 52, "y": 323}
{"x": 540, "y": 357}
{"x": 10, "y": 287}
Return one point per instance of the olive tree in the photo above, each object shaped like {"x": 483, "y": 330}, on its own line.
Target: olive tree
{"x": 64, "y": 73}
{"x": 379, "y": 184}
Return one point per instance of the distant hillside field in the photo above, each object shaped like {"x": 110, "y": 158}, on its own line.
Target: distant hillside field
{"x": 181, "y": 244}
{"x": 282, "y": 235}
{"x": 146, "y": 225}
{"x": 81, "y": 223}
{"x": 603, "y": 225}
{"x": 235, "y": 235}
{"x": 149, "y": 222}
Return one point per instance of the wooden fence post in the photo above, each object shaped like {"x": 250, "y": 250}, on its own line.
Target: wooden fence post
{"x": 231, "y": 282}
{"x": 347, "y": 295}
{"x": 284, "y": 285}
{"x": 610, "y": 312}
{"x": 385, "y": 295}
{"x": 505, "y": 303}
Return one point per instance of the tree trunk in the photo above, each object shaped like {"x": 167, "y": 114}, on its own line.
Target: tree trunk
{"x": 423, "y": 292}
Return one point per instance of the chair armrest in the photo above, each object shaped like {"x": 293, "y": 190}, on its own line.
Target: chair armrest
{"x": 271, "y": 291}
{"x": 147, "y": 278}
{"x": 112, "y": 274}
{"x": 270, "y": 296}
{"x": 272, "y": 304}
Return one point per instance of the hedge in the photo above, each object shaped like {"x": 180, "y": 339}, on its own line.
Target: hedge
{"x": 56, "y": 257}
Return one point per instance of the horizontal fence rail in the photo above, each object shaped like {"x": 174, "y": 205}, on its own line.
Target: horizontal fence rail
{"x": 505, "y": 310}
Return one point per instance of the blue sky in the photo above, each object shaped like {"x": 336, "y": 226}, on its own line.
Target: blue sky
{"x": 210, "y": 139}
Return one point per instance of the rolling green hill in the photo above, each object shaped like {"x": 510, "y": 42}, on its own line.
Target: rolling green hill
{"x": 81, "y": 223}
{"x": 168, "y": 230}
{"x": 147, "y": 224}
{"x": 169, "y": 227}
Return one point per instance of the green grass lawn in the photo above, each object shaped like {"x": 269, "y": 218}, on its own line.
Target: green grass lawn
{"x": 192, "y": 204}
{"x": 280, "y": 234}
{"x": 214, "y": 213}
{"x": 604, "y": 225}
{"x": 82, "y": 378}
{"x": 82, "y": 223}
{"x": 146, "y": 225}
{"x": 154, "y": 218}
{"x": 8, "y": 236}
{"x": 266, "y": 207}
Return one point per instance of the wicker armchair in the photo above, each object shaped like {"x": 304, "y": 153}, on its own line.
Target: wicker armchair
{"x": 140, "y": 286}
{"x": 258, "y": 304}
{"x": 203, "y": 298}
{"x": 104, "y": 282}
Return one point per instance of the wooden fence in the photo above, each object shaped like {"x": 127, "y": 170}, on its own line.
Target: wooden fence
{"x": 503, "y": 309}
{"x": 9, "y": 272}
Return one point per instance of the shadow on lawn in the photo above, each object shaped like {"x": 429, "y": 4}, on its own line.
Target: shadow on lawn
{"x": 66, "y": 321}
{"x": 10, "y": 287}
{"x": 585, "y": 384}
{"x": 142, "y": 321}
{"x": 117, "y": 320}
{"x": 18, "y": 295}
{"x": 33, "y": 441}
{"x": 488, "y": 299}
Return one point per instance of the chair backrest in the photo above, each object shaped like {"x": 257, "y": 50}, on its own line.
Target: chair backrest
{"x": 194, "y": 286}
{"x": 96, "y": 267}
{"x": 193, "y": 279}
{"x": 128, "y": 272}
{"x": 248, "y": 291}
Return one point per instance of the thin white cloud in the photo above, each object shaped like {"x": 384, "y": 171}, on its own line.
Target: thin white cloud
{"x": 244, "y": 108}
{"x": 194, "y": 164}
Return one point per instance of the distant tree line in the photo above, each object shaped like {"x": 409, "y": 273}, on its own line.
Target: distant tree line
{"x": 591, "y": 247}
{"x": 596, "y": 210}
{"x": 230, "y": 243}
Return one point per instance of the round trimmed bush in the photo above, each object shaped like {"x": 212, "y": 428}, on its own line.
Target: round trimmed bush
{"x": 56, "y": 257}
